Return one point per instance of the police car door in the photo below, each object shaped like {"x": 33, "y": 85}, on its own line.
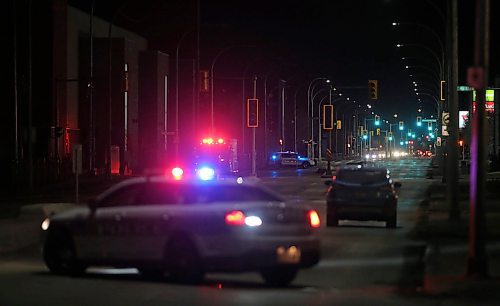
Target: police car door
{"x": 150, "y": 221}
{"x": 106, "y": 231}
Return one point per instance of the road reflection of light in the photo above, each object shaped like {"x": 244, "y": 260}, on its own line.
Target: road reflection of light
{"x": 113, "y": 271}
{"x": 274, "y": 174}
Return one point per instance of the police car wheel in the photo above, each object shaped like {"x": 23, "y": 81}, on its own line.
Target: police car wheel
{"x": 391, "y": 221}
{"x": 151, "y": 273}
{"x": 279, "y": 276}
{"x": 183, "y": 261}
{"x": 60, "y": 256}
{"x": 306, "y": 165}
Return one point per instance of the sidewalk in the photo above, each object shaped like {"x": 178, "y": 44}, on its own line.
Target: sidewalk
{"x": 447, "y": 241}
{"x": 21, "y": 215}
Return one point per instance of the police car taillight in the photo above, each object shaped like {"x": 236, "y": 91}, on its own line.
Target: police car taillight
{"x": 238, "y": 218}
{"x": 177, "y": 173}
{"x": 313, "y": 217}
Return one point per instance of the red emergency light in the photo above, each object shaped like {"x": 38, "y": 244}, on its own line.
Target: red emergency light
{"x": 211, "y": 141}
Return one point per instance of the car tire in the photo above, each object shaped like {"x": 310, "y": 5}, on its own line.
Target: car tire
{"x": 306, "y": 165}
{"x": 331, "y": 218}
{"x": 183, "y": 262}
{"x": 391, "y": 222}
{"x": 154, "y": 274}
{"x": 60, "y": 256}
{"x": 279, "y": 276}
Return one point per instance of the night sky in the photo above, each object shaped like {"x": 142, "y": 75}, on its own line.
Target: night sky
{"x": 349, "y": 41}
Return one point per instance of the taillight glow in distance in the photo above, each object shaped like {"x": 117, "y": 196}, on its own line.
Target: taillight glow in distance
{"x": 238, "y": 218}
{"x": 313, "y": 218}
{"x": 177, "y": 173}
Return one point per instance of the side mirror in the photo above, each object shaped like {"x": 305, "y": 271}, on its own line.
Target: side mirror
{"x": 397, "y": 185}
{"x": 328, "y": 182}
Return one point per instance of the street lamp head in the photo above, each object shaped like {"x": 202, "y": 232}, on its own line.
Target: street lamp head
{"x": 407, "y": 66}
{"x": 395, "y": 115}
{"x": 328, "y": 80}
{"x": 395, "y": 23}
{"x": 347, "y": 98}
{"x": 399, "y": 45}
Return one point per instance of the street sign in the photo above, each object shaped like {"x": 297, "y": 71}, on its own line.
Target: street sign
{"x": 444, "y": 130}
{"x": 446, "y": 118}
{"x": 77, "y": 159}
{"x": 329, "y": 154}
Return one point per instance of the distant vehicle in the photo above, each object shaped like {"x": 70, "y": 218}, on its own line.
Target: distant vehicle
{"x": 217, "y": 153}
{"x": 289, "y": 158}
{"x": 185, "y": 228}
{"x": 375, "y": 154}
{"x": 362, "y": 192}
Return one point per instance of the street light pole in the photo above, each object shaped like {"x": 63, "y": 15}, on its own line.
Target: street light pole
{"x": 176, "y": 141}
{"x": 310, "y": 111}
{"x": 212, "y": 66}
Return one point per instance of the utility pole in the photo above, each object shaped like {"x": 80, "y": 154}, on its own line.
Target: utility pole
{"x": 30, "y": 98}
{"x": 452, "y": 142}
{"x": 91, "y": 93}
{"x": 477, "y": 77}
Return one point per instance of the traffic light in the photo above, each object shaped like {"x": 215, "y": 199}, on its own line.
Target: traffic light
{"x": 443, "y": 91}
{"x": 377, "y": 120}
{"x": 401, "y": 125}
{"x": 328, "y": 117}
{"x": 461, "y": 142}
{"x": 339, "y": 124}
{"x": 205, "y": 81}
{"x": 252, "y": 113}
{"x": 390, "y": 136}
{"x": 429, "y": 126}
{"x": 378, "y": 131}
{"x": 372, "y": 89}
{"x": 419, "y": 121}
{"x": 365, "y": 134}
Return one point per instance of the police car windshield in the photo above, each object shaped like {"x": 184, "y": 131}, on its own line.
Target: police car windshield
{"x": 161, "y": 193}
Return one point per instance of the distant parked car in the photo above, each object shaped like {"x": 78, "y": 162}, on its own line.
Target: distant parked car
{"x": 362, "y": 192}
{"x": 279, "y": 159}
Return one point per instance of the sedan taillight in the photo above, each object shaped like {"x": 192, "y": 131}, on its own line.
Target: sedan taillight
{"x": 313, "y": 217}
{"x": 238, "y": 218}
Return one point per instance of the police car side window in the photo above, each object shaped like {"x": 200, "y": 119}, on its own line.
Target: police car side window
{"x": 125, "y": 196}
{"x": 156, "y": 194}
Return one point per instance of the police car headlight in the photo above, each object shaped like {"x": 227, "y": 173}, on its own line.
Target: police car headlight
{"x": 45, "y": 224}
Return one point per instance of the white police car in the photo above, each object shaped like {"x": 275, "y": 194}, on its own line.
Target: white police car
{"x": 185, "y": 228}
{"x": 289, "y": 158}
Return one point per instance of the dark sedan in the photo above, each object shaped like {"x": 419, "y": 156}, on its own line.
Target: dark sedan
{"x": 362, "y": 192}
